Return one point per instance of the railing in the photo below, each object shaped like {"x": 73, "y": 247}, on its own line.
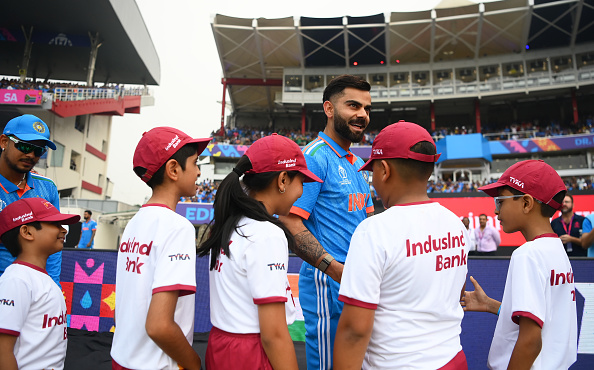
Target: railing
{"x": 82, "y": 93}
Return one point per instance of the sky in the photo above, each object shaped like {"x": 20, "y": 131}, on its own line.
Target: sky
{"x": 190, "y": 92}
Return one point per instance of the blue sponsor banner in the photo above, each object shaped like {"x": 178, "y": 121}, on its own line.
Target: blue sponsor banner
{"x": 197, "y": 213}
{"x": 480, "y": 147}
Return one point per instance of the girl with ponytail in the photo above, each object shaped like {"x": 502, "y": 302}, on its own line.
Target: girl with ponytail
{"x": 250, "y": 298}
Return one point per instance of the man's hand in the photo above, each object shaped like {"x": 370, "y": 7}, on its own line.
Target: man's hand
{"x": 478, "y": 300}
{"x": 565, "y": 238}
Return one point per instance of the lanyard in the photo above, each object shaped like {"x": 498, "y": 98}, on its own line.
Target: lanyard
{"x": 568, "y": 231}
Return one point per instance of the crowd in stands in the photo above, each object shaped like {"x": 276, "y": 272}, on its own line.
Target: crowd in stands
{"x": 524, "y": 130}
{"x": 48, "y": 86}
{"x": 247, "y": 135}
{"x": 206, "y": 192}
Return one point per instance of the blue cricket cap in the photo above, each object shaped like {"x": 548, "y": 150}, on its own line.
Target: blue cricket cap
{"x": 29, "y": 128}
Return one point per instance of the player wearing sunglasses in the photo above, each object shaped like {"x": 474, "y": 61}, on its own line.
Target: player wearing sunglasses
{"x": 24, "y": 140}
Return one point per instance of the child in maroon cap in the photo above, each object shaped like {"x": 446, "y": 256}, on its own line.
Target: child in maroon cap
{"x": 156, "y": 269}
{"x": 32, "y": 307}
{"x": 250, "y": 297}
{"x": 537, "y": 323}
{"x": 406, "y": 267}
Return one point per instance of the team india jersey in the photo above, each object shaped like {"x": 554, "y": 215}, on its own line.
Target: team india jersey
{"x": 157, "y": 254}
{"x": 255, "y": 273}
{"x": 539, "y": 286}
{"x": 409, "y": 264}
{"x": 33, "y": 309}
{"x": 40, "y": 187}
{"x": 86, "y": 232}
{"x": 332, "y": 210}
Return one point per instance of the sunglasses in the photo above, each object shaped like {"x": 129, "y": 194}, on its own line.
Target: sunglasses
{"x": 498, "y": 200}
{"x": 27, "y": 148}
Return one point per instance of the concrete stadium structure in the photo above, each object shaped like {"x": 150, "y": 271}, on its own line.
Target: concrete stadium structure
{"x": 460, "y": 64}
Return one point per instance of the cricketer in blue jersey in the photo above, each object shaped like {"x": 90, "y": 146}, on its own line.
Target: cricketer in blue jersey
{"x": 24, "y": 140}
{"x": 87, "y": 231}
{"x": 325, "y": 217}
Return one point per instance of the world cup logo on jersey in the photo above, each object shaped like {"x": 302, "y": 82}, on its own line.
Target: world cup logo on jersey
{"x": 343, "y": 175}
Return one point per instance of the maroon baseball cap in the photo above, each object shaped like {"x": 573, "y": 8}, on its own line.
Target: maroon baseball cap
{"x": 395, "y": 141}
{"x": 158, "y": 145}
{"x": 533, "y": 177}
{"x": 278, "y": 153}
{"x": 28, "y": 210}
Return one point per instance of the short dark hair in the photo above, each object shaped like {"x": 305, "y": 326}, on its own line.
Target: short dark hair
{"x": 181, "y": 156}
{"x": 338, "y": 84}
{"x": 545, "y": 210}
{"x": 567, "y": 195}
{"x": 411, "y": 168}
{"x": 89, "y": 212}
{"x": 10, "y": 239}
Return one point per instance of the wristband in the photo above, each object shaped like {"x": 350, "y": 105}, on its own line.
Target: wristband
{"x": 498, "y": 310}
{"x": 325, "y": 263}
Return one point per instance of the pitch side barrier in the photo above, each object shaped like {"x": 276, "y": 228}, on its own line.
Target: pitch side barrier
{"x": 469, "y": 205}
{"x": 88, "y": 283}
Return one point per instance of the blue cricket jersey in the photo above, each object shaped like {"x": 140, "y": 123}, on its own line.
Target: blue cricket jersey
{"x": 40, "y": 187}
{"x": 86, "y": 232}
{"x": 332, "y": 210}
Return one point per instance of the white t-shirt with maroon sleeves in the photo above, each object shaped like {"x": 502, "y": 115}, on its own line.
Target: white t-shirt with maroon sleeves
{"x": 255, "y": 273}
{"x": 409, "y": 264}
{"x": 539, "y": 286}
{"x": 32, "y": 307}
{"x": 157, "y": 253}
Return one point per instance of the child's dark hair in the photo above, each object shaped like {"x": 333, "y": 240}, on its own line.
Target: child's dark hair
{"x": 338, "y": 84}
{"x": 180, "y": 156}
{"x": 419, "y": 170}
{"x": 232, "y": 203}
{"x": 10, "y": 239}
{"x": 545, "y": 210}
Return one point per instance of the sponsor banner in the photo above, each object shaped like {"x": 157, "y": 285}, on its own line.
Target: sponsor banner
{"x": 473, "y": 207}
{"x": 20, "y": 97}
{"x": 541, "y": 144}
{"x": 488, "y": 149}
{"x": 88, "y": 284}
{"x": 196, "y": 213}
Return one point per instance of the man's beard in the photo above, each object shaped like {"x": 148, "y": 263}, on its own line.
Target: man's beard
{"x": 568, "y": 210}
{"x": 342, "y": 128}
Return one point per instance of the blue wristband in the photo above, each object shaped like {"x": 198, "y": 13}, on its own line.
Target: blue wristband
{"x": 498, "y": 310}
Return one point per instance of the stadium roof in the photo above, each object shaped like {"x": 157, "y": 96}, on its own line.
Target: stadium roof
{"x": 61, "y": 43}
{"x": 260, "y": 48}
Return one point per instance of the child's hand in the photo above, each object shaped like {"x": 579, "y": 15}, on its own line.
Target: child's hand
{"x": 477, "y": 300}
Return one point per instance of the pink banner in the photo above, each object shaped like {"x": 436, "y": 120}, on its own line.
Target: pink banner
{"x": 20, "y": 97}
{"x": 473, "y": 207}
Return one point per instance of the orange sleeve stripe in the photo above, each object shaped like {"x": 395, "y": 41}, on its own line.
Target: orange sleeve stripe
{"x": 369, "y": 209}
{"x": 299, "y": 212}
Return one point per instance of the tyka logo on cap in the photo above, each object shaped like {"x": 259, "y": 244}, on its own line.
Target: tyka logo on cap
{"x": 517, "y": 182}
{"x": 378, "y": 152}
